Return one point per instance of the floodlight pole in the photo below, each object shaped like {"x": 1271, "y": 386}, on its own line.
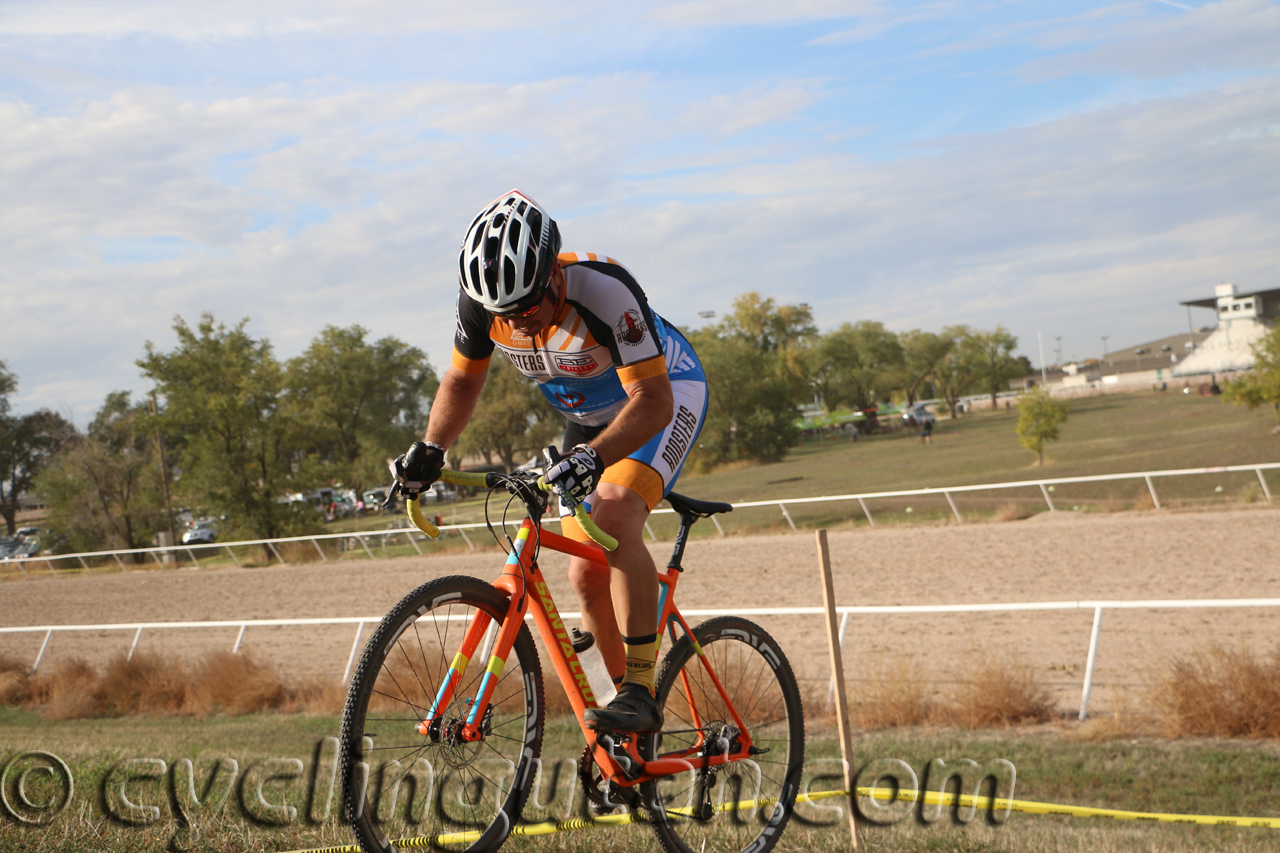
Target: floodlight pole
{"x": 1044, "y": 379}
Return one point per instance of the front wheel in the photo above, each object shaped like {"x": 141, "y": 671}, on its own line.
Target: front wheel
{"x": 743, "y": 805}
{"x": 398, "y": 782}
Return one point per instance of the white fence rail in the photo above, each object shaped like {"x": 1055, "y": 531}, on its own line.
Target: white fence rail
{"x": 867, "y": 610}
{"x": 363, "y": 537}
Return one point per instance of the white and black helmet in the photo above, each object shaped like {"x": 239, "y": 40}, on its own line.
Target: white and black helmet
{"x": 508, "y": 254}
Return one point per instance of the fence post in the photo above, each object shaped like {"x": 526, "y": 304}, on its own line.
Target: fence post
{"x": 235, "y": 650}
{"x": 1047, "y": 499}
{"x": 136, "y": 637}
{"x": 783, "y": 507}
{"x": 1151, "y": 488}
{"x": 365, "y": 544}
{"x": 43, "y": 646}
{"x": 466, "y": 538}
{"x": 194, "y": 558}
{"x": 414, "y": 542}
{"x": 281, "y": 559}
{"x": 321, "y": 550}
{"x": 867, "y": 512}
{"x": 719, "y": 529}
{"x": 954, "y": 511}
{"x": 649, "y": 530}
{"x": 355, "y": 644}
{"x": 1263, "y": 481}
{"x": 837, "y": 672}
{"x": 83, "y": 564}
{"x": 1093, "y": 656}
{"x": 122, "y": 568}
{"x": 232, "y": 552}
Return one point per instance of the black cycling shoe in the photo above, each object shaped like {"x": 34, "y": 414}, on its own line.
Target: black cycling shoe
{"x": 634, "y": 709}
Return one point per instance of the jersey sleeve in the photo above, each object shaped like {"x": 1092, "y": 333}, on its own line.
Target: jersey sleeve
{"x": 472, "y": 345}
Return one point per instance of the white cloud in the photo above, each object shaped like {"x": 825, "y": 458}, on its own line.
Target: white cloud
{"x": 1225, "y": 36}
{"x": 343, "y": 205}
{"x": 720, "y": 13}
{"x": 240, "y": 19}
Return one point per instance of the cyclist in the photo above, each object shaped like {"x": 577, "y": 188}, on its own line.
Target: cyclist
{"x": 634, "y": 397}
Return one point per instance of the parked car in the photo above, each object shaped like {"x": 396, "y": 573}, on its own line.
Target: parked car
{"x": 201, "y": 531}
{"x": 438, "y": 493}
{"x": 920, "y": 413}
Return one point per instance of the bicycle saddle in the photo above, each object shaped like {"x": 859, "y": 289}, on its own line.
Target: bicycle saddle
{"x": 692, "y": 506}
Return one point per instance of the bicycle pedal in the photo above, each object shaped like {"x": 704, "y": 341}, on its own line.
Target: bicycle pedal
{"x": 630, "y": 768}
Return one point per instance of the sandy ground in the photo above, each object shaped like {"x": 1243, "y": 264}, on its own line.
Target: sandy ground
{"x": 1058, "y": 557}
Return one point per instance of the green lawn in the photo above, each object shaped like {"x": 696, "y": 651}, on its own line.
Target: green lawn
{"x": 1105, "y": 435}
{"x": 1203, "y": 777}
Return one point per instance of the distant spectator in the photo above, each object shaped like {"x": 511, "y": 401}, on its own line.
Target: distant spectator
{"x": 359, "y": 509}
{"x": 926, "y": 433}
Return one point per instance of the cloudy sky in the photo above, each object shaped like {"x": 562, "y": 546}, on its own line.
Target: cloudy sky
{"x": 1073, "y": 168}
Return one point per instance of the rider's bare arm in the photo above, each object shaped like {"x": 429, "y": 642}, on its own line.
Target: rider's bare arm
{"x": 647, "y": 412}
{"x": 453, "y": 405}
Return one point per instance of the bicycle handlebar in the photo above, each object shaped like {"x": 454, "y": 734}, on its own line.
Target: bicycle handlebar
{"x": 490, "y": 481}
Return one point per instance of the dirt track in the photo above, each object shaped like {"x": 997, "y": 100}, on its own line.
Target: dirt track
{"x": 1232, "y": 554}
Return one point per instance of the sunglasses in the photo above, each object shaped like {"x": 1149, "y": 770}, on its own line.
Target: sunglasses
{"x": 523, "y": 312}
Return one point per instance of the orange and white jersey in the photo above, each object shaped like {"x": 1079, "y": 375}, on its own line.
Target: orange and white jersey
{"x": 604, "y": 336}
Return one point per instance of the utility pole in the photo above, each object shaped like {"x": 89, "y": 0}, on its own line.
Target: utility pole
{"x": 164, "y": 473}
{"x": 1058, "y": 349}
{"x": 1104, "y": 348}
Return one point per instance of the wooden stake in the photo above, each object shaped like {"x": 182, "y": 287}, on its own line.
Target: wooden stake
{"x": 837, "y": 672}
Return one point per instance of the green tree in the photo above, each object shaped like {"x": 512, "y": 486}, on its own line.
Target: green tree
{"x": 236, "y": 447}
{"x": 27, "y": 444}
{"x": 360, "y": 403}
{"x": 768, "y": 326}
{"x": 103, "y": 488}
{"x": 1039, "y": 418}
{"x": 953, "y": 373}
{"x": 922, "y": 351}
{"x": 858, "y": 365}
{"x": 991, "y": 355}
{"x": 512, "y": 420}
{"x": 1262, "y": 386}
{"x": 750, "y": 414}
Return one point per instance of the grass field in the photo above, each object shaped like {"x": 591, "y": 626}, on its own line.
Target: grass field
{"x": 1109, "y": 434}
{"x": 1222, "y": 777}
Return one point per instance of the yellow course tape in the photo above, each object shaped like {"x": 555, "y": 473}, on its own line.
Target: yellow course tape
{"x": 930, "y": 797}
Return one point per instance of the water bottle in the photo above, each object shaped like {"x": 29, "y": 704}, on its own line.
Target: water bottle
{"x": 584, "y": 644}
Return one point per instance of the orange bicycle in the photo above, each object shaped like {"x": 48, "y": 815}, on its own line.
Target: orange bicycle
{"x": 451, "y": 677}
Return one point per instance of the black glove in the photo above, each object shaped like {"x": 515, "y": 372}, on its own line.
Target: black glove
{"x": 418, "y": 468}
{"x": 576, "y": 475}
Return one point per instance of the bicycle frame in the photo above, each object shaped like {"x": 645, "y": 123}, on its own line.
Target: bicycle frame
{"x": 527, "y": 593}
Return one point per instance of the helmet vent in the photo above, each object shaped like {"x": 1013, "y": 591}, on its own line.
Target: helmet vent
{"x": 509, "y": 275}
{"x": 513, "y": 235}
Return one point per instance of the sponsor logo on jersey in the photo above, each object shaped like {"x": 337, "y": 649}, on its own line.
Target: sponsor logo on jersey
{"x": 570, "y": 399}
{"x": 527, "y": 362}
{"x": 630, "y": 328}
{"x": 578, "y": 364}
{"x": 681, "y": 435}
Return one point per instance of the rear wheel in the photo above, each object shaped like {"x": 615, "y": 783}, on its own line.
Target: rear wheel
{"x": 742, "y": 805}
{"x": 400, "y": 783}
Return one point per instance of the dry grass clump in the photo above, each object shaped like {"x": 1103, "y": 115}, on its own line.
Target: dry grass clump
{"x": 893, "y": 693}
{"x": 1221, "y": 691}
{"x": 1008, "y": 512}
{"x": 995, "y": 692}
{"x": 159, "y": 685}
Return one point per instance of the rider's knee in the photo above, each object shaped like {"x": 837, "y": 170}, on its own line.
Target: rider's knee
{"x": 588, "y": 579}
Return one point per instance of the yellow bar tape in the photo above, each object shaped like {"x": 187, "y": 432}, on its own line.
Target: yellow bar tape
{"x": 931, "y": 797}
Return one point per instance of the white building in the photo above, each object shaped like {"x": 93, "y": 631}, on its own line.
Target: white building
{"x": 1243, "y": 320}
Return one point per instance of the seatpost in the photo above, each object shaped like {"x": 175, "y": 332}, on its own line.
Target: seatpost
{"x": 682, "y": 536}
